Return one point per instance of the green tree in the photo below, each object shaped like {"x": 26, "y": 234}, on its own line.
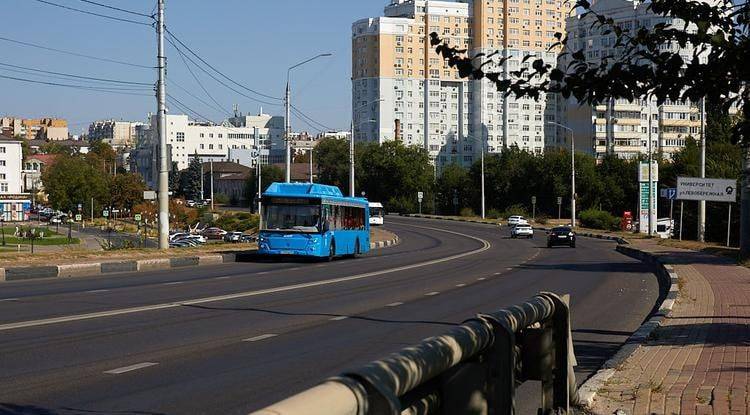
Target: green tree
{"x": 71, "y": 180}
{"x": 126, "y": 190}
{"x": 54, "y": 148}
{"x": 270, "y": 174}
{"x": 190, "y": 180}
{"x": 453, "y": 185}
{"x": 174, "y": 179}
{"x": 332, "y": 158}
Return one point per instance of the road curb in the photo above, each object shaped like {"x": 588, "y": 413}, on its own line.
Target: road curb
{"x": 619, "y": 240}
{"x": 90, "y": 269}
{"x": 385, "y": 244}
{"x": 669, "y": 293}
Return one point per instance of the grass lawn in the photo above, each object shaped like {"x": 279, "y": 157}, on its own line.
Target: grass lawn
{"x": 50, "y": 236}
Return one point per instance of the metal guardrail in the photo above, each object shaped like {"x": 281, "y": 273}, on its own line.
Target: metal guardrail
{"x": 473, "y": 369}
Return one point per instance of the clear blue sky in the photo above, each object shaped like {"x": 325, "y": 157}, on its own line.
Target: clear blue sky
{"x": 252, "y": 41}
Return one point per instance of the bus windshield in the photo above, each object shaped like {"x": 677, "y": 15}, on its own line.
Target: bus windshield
{"x": 292, "y": 218}
{"x": 376, "y": 212}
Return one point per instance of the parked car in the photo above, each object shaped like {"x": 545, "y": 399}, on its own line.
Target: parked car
{"x": 248, "y": 238}
{"x": 561, "y": 235}
{"x": 517, "y": 220}
{"x": 214, "y": 233}
{"x": 233, "y": 237}
{"x": 196, "y": 238}
{"x": 177, "y": 235}
{"x": 522, "y": 231}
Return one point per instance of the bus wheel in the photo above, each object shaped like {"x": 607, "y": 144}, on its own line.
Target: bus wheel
{"x": 331, "y": 252}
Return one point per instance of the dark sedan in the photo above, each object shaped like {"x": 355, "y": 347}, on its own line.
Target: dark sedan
{"x": 562, "y": 235}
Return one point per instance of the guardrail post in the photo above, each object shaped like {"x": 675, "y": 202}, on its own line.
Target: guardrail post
{"x": 565, "y": 390}
{"x": 501, "y": 358}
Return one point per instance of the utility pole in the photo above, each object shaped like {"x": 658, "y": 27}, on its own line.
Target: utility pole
{"x": 211, "y": 164}
{"x": 162, "y": 126}
{"x": 650, "y": 172}
{"x": 288, "y": 130}
{"x": 203, "y": 194}
{"x": 351, "y": 161}
{"x": 702, "y": 203}
{"x": 573, "y": 180}
{"x": 483, "y": 195}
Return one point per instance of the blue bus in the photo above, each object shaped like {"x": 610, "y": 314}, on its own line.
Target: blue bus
{"x": 305, "y": 219}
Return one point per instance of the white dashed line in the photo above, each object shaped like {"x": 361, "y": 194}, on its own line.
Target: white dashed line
{"x": 262, "y": 273}
{"x": 481, "y": 279}
{"x": 259, "y": 338}
{"x": 174, "y": 283}
{"x": 130, "y": 368}
{"x": 509, "y": 269}
{"x": 432, "y": 293}
{"x": 498, "y": 273}
{"x": 460, "y": 285}
{"x": 394, "y": 304}
{"x": 8, "y": 300}
{"x": 223, "y": 278}
{"x": 294, "y": 269}
{"x": 97, "y": 291}
{"x": 339, "y": 318}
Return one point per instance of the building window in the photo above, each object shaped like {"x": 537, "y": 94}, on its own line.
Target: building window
{"x": 2, "y": 149}
{"x": 4, "y": 187}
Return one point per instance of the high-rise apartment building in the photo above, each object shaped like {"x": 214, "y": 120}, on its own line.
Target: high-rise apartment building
{"x": 118, "y": 134}
{"x": 50, "y": 129}
{"x": 624, "y": 127}
{"x": 402, "y": 90}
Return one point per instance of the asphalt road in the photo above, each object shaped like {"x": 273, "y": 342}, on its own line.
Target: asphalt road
{"x": 233, "y": 338}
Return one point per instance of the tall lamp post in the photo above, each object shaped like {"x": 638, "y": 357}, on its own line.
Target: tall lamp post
{"x": 573, "y": 172}
{"x": 288, "y": 121}
{"x": 351, "y": 144}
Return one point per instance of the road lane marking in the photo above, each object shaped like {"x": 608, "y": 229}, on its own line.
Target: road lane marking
{"x": 131, "y": 368}
{"x": 460, "y": 285}
{"x": 97, "y": 291}
{"x": 432, "y": 293}
{"x": 486, "y": 245}
{"x": 498, "y": 273}
{"x": 394, "y": 304}
{"x": 262, "y": 273}
{"x": 509, "y": 269}
{"x": 8, "y": 299}
{"x": 339, "y": 318}
{"x": 174, "y": 283}
{"x": 261, "y": 337}
{"x": 223, "y": 278}
{"x": 481, "y": 279}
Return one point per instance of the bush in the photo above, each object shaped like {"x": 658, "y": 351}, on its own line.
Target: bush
{"x": 541, "y": 219}
{"x": 599, "y": 219}
{"x": 494, "y": 214}
{"x": 467, "y": 212}
{"x": 515, "y": 210}
{"x": 221, "y": 199}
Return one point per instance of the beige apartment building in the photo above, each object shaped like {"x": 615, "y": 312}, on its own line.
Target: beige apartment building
{"x": 402, "y": 90}
{"x": 51, "y": 129}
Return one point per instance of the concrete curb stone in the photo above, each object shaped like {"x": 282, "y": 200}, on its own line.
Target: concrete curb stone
{"x": 30, "y": 273}
{"x": 668, "y": 283}
{"x": 120, "y": 266}
{"x": 189, "y": 261}
{"x": 152, "y": 264}
{"x": 78, "y": 270}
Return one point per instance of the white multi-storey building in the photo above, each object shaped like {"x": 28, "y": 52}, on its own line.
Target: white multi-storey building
{"x": 402, "y": 90}
{"x": 14, "y": 205}
{"x": 621, "y": 127}
{"x": 118, "y": 134}
{"x": 187, "y": 139}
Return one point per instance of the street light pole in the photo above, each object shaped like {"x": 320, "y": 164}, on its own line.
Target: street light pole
{"x": 573, "y": 172}
{"x": 702, "y": 203}
{"x": 162, "y": 126}
{"x": 288, "y": 106}
{"x": 483, "y": 194}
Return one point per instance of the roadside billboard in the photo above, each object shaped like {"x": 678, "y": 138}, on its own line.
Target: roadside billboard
{"x": 711, "y": 190}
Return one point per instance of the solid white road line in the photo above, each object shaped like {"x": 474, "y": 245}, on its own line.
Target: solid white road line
{"x": 339, "y": 318}
{"x": 432, "y": 293}
{"x": 130, "y": 368}
{"x": 394, "y": 304}
{"x": 486, "y": 245}
{"x": 261, "y": 337}
{"x": 460, "y": 285}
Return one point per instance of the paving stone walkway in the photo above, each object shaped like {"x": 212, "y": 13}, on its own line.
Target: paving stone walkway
{"x": 697, "y": 361}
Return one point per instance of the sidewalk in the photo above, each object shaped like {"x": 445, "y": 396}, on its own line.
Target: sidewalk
{"x": 697, "y": 361}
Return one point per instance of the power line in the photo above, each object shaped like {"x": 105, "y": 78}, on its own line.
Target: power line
{"x": 302, "y": 114}
{"x": 92, "y": 13}
{"x": 185, "y": 90}
{"x": 220, "y": 81}
{"x": 115, "y": 81}
{"x": 184, "y": 61}
{"x": 219, "y": 72}
{"x": 118, "y": 9}
{"x": 75, "y": 53}
{"x": 184, "y": 107}
{"x": 88, "y": 88}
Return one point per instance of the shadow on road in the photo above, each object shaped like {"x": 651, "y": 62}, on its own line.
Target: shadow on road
{"x": 331, "y": 315}
{"x": 623, "y": 267}
{"x": 15, "y": 409}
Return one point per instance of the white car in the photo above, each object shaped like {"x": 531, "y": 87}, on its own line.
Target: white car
{"x": 517, "y": 220}
{"x": 195, "y": 238}
{"x": 522, "y": 231}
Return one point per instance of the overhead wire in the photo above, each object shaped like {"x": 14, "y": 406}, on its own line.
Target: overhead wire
{"x": 177, "y": 39}
{"x": 184, "y": 61}
{"x": 302, "y": 114}
{"x": 90, "y": 78}
{"x": 185, "y": 90}
{"x": 119, "y": 9}
{"x": 120, "y": 19}
{"x": 80, "y": 55}
{"x": 113, "y": 90}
